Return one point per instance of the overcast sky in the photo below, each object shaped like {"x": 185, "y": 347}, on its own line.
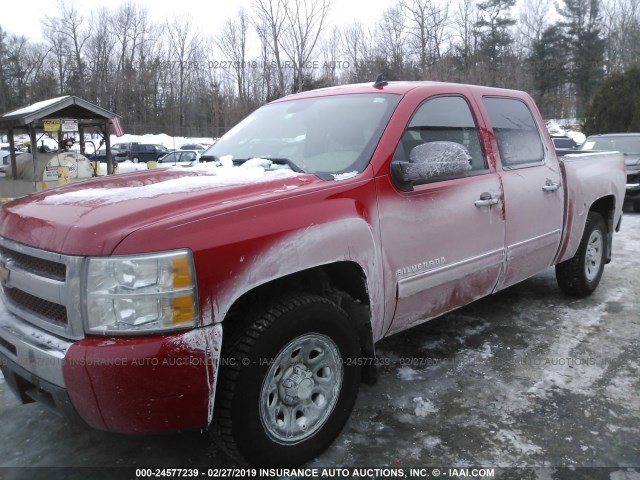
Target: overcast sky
{"x": 16, "y": 17}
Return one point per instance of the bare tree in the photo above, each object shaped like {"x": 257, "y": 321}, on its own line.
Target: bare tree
{"x": 534, "y": 18}
{"x": 622, "y": 30}
{"x": 62, "y": 58}
{"x": 100, "y": 47}
{"x": 4, "y": 73}
{"x": 393, "y": 29}
{"x": 357, "y": 47}
{"x": 427, "y": 21}
{"x": 306, "y": 19}
{"x": 233, "y": 44}
{"x": 331, "y": 63}
{"x": 129, "y": 24}
{"x": 70, "y": 28}
{"x": 181, "y": 36}
{"x": 271, "y": 24}
{"x": 468, "y": 39}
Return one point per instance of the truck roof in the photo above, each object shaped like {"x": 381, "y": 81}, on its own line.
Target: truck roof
{"x": 400, "y": 88}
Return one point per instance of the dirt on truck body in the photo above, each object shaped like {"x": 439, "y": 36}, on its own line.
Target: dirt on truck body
{"x": 245, "y": 295}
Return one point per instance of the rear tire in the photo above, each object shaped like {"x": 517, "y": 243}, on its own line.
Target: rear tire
{"x": 287, "y": 383}
{"x": 580, "y": 275}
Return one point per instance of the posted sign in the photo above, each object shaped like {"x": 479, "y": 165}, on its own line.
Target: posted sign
{"x": 69, "y": 125}
{"x": 51, "y": 124}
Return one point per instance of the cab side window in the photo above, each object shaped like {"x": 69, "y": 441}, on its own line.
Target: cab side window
{"x": 443, "y": 119}
{"x": 516, "y": 132}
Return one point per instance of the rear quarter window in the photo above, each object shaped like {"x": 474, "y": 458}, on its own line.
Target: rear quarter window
{"x": 516, "y": 131}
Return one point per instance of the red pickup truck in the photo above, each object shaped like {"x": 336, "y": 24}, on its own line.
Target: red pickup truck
{"x": 246, "y": 295}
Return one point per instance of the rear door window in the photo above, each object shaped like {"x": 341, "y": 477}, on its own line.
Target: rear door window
{"x": 516, "y": 131}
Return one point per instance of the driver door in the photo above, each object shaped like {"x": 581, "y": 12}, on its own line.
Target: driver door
{"x": 443, "y": 240}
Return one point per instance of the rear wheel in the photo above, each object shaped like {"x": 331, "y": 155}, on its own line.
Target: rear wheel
{"x": 288, "y": 383}
{"x": 580, "y": 275}
{"x": 135, "y": 159}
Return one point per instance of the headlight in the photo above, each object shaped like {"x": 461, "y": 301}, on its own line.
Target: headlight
{"x": 141, "y": 293}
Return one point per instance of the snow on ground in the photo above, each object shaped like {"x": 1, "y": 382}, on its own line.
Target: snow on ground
{"x": 500, "y": 383}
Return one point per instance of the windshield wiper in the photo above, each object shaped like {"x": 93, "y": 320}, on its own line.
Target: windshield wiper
{"x": 278, "y": 161}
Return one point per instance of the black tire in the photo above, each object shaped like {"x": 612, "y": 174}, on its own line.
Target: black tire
{"x": 297, "y": 359}
{"x": 579, "y": 276}
{"x": 636, "y": 206}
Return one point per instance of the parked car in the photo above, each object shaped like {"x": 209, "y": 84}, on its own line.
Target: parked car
{"x": 194, "y": 146}
{"x": 100, "y": 155}
{"x": 564, "y": 144}
{"x": 184, "y": 158}
{"x": 119, "y": 148}
{"x": 138, "y": 152}
{"x": 629, "y": 145}
{"x": 162, "y": 150}
{"x": 248, "y": 300}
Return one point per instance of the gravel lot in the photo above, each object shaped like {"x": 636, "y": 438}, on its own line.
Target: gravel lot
{"x": 525, "y": 378}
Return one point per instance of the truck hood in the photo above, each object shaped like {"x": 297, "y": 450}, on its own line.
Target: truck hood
{"x": 92, "y": 217}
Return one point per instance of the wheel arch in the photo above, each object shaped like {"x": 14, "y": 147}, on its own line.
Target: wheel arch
{"x": 342, "y": 282}
{"x": 606, "y": 207}
{"x": 576, "y": 220}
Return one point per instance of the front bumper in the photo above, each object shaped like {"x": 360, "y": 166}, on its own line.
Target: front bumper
{"x": 142, "y": 384}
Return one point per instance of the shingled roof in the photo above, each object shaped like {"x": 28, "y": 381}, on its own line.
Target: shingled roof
{"x": 61, "y": 107}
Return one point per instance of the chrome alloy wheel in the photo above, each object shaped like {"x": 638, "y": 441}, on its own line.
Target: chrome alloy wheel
{"x": 593, "y": 255}
{"x": 301, "y": 388}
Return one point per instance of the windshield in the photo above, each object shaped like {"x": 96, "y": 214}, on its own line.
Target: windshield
{"x": 621, "y": 143}
{"x": 324, "y": 135}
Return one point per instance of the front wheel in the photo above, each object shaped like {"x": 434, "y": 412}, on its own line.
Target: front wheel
{"x": 288, "y": 383}
{"x": 135, "y": 159}
{"x": 579, "y": 276}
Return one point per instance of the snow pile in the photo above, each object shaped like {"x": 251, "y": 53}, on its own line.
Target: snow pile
{"x": 566, "y": 126}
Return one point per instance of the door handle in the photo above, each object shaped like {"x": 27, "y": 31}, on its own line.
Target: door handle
{"x": 486, "y": 200}
{"x": 550, "y": 186}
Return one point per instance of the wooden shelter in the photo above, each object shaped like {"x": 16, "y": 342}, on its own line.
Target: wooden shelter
{"x": 63, "y": 111}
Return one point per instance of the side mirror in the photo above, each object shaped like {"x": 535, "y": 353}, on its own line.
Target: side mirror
{"x": 431, "y": 160}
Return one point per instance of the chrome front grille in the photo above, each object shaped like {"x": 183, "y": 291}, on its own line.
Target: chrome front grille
{"x": 43, "y": 288}
{"x": 38, "y": 266}
{"x": 43, "y": 308}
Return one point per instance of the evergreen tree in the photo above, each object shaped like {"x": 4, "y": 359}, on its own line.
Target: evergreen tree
{"x": 582, "y": 25}
{"x": 495, "y": 38}
{"x": 549, "y": 69}
{"x": 616, "y": 105}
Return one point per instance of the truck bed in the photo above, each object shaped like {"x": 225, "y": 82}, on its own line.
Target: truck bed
{"x": 587, "y": 176}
